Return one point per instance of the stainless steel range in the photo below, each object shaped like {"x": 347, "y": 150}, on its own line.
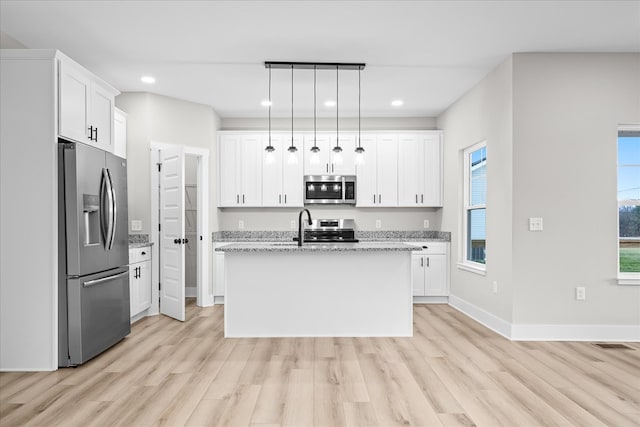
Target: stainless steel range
{"x": 330, "y": 231}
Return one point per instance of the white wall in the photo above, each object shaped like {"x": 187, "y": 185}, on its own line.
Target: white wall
{"x": 550, "y": 121}
{"x": 168, "y": 120}
{"x": 483, "y": 113}
{"x": 566, "y": 111}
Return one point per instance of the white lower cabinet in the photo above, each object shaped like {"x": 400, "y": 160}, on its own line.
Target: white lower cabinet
{"x": 139, "y": 279}
{"x": 430, "y": 270}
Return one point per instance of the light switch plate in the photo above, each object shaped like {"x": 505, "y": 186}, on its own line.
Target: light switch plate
{"x": 241, "y": 224}
{"x": 136, "y": 225}
{"x": 378, "y": 223}
{"x": 426, "y": 223}
{"x": 535, "y": 224}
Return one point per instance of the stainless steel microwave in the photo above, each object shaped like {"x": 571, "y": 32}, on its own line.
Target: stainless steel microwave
{"x": 326, "y": 189}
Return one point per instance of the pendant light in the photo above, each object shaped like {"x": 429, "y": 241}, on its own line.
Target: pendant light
{"x": 337, "y": 150}
{"x": 270, "y": 157}
{"x": 359, "y": 150}
{"x": 293, "y": 158}
{"x": 315, "y": 157}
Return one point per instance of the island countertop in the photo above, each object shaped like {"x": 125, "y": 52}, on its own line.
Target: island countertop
{"x": 318, "y": 247}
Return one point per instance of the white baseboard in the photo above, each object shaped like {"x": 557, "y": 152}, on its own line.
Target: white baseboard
{"x": 609, "y": 333}
{"x": 430, "y": 300}
{"x": 481, "y": 316}
{"x": 541, "y": 332}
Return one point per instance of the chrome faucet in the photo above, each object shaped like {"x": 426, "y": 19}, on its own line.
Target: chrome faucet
{"x": 300, "y": 233}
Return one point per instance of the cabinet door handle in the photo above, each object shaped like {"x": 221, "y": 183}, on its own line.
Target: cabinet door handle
{"x": 243, "y": 199}
{"x": 379, "y": 198}
{"x": 176, "y": 241}
{"x": 237, "y": 199}
{"x": 285, "y": 199}
{"x": 279, "y": 198}
{"x": 422, "y": 198}
{"x": 331, "y": 168}
{"x": 374, "y": 199}
{"x": 90, "y": 133}
{"x": 139, "y": 272}
{"x": 96, "y": 140}
{"x": 427, "y": 261}
{"x": 144, "y": 253}
{"x": 416, "y": 198}
{"x": 421, "y": 262}
{"x": 327, "y": 164}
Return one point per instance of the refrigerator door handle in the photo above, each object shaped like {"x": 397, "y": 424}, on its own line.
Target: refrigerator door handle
{"x": 113, "y": 212}
{"x": 90, "y": 283}
{"x": 105, "y": 196}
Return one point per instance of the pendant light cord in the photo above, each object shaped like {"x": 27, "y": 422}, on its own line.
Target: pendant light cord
{"x": 314, "y": 107}
{"x": 337, "y": 105}
{"x": 359, "y": 92}
{"x": 292, "y": 106}
{"x": 269, "y": 106}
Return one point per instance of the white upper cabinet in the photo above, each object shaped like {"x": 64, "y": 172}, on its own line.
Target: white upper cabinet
{"x": 378, "y": 174}
{"x": 326, "y": 161}
{"x": 399, "y": 169}
{"x": 240, "y": 170}
{"x": 319, "y": 163}
{"x": 420, "y": 169}
{"x": 344, "y": 162}
{"x": 120, "y": 133}
{"x": 86, "y": 106}
{"x": 282, "y": 172}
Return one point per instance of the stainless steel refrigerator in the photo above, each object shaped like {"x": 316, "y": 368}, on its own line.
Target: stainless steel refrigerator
{"x": 93, "y": 282}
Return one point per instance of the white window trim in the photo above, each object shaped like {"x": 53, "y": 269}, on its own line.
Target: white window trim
{"x": 624, "y": 279}
{"x": 463, "y": 262}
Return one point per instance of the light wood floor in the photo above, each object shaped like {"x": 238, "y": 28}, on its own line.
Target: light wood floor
{"x": 453, "y": 372}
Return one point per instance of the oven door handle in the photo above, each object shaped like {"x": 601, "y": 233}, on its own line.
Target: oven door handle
{"x": 344, "y": 190}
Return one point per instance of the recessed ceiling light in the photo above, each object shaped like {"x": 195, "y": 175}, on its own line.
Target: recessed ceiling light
{"x": 266, "y": 103}
{"x": 329, "y": 103}
{"x": 397, "y": 102}
{"x": 148, "y": 79}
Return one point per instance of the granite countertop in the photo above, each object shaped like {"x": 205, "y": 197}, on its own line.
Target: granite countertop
{"x": 363, "y": 236}
{"x": 313, "y": 247}
{"x": 139, "y": 241}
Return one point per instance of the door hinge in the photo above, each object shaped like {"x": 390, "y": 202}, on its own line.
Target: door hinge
{"x": 158, "y": 226}
{"x": 159, "y": 166}
{"x": 159, "y": 285}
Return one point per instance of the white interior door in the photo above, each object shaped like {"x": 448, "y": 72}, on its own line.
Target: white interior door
{"x": 172, "y": 233}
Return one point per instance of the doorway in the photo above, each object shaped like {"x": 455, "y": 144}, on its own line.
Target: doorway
{"x": 179, "y": 212}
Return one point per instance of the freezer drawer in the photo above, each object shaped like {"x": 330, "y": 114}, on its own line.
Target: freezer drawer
{"x": 98, "y": 313}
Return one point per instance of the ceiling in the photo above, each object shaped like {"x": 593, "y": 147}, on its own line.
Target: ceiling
{"x": 426, "y": 53}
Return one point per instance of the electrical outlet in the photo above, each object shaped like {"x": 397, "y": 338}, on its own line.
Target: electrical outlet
{"x": 241, "y": 224}
{"x": 535, "y": 224}
{"x": 426, "y": 223}
{"x": 136, "y": 225}
{"x": 293, "y": 224}
{"x": 378, "y": 223}
{"x": 495, "y": 286}
{"x": 581, "y": 293}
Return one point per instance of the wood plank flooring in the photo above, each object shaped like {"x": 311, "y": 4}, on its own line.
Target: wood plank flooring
{"x": 452, "y": 372}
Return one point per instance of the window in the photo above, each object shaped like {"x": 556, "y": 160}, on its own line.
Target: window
{"x": 474, "y": 210}
{"x": 629, "y": 205}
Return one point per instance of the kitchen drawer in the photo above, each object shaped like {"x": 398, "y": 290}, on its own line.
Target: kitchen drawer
{"x": 429, "y": 248}
{"x": 139, "y": 254}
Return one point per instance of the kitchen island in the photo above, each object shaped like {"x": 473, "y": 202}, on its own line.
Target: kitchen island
{"x": 318, "y": 290}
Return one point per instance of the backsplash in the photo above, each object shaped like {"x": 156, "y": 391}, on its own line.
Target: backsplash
{"x": 275, "y": 236}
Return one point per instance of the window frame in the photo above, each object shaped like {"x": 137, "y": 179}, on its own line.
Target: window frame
{"x": 623, "y": 278}
{"x": 466, "y": 207}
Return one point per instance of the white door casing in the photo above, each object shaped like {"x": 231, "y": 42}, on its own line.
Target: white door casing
{"x": 172, "y": 291}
